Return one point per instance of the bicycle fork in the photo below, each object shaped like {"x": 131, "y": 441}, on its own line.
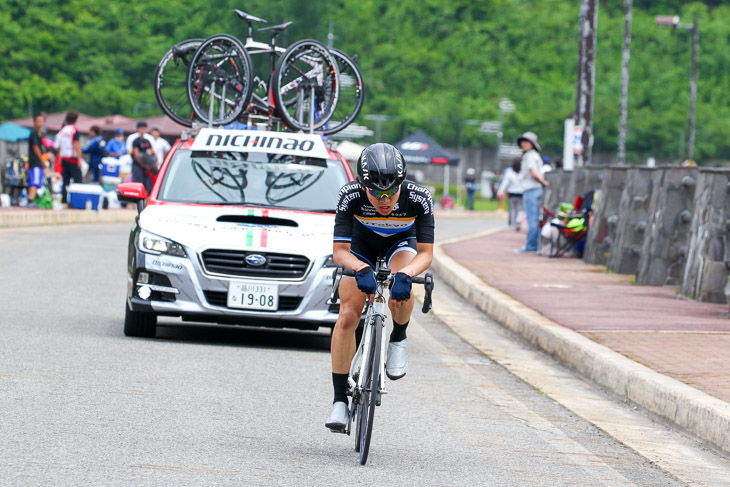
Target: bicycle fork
{"x": 361, "y": 358}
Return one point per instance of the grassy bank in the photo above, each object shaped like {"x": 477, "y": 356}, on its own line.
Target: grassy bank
{"x": 480, "y": 204}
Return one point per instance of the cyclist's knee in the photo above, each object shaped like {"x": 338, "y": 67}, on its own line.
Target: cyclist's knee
{"x": 348, "y": 319}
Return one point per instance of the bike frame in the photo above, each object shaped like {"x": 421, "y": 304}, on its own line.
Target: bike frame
{"x": 377, "y": 308}
{"x": 255, "y": 48}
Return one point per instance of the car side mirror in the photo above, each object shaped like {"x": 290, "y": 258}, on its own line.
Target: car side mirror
{"x": 132, "y": 193}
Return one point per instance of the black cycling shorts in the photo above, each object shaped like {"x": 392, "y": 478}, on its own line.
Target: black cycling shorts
{"x": 367, "y": 246}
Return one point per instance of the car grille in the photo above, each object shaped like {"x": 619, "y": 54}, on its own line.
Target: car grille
{"x": 220, "y": 298}
{"x": 233, "y": 263}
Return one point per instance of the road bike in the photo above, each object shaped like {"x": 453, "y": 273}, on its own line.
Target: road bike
{"x": 366, "y": 383}
{"x": 220, "y": 86}
{"x": 302, "y": 90}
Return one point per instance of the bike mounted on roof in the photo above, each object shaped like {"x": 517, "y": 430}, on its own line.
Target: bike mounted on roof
{"x": 309, "y": 87}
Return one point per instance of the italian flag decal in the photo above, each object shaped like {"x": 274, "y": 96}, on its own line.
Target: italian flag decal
{"x": 257, "y": 237}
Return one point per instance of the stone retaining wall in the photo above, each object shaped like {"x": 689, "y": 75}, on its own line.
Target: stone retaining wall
{"x": 664, "y": 249}
{"x": 668, "y": 225}
{"x": 706, "y": 273}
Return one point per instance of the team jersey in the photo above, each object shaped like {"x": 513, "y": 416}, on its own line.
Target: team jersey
{"x": 65, "y": 142}
{"x": 412, "y": 213}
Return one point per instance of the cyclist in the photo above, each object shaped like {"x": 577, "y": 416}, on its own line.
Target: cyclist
{"x": 381, "y": 213}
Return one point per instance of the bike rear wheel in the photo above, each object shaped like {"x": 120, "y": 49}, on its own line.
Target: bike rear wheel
{"x": 220, "y": 80}
{"x": 171, "y": 80}
{"x": 352, "y": 93}
{"x": 307, "y": 67}
{"x": 371, "y": 381}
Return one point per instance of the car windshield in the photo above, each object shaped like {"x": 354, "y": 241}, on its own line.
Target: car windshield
{"x": 258, "y": 179}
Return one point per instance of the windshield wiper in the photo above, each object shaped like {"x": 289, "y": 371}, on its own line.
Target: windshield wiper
{"x": 244, "y": 203}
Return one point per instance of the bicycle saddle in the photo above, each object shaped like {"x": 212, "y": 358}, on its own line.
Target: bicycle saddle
{"x": 248, "y": 17}
{"x": 278, "y": 28}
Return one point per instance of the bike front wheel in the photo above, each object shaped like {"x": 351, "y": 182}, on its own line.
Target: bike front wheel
{"x": 369, "y": 393}
{"x": 171, "y": 79}
{"x": 352, "y": 93}
{"x": 306, "y": 86}
{"x": 220, "y": 80}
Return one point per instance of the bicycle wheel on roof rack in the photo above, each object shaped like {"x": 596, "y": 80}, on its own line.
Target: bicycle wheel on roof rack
{"x": 171, "y": 79}
{"x": 352, "y": 93}
{"x": 305, "y": 86}
{"x": 220, "y": 80}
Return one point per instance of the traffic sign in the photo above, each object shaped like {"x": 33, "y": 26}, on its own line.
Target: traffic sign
{"x": 506, "y": 105}
{"x": 490, "y": 128}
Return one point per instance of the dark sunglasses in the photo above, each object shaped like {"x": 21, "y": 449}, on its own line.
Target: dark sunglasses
{"x": 380, "y": 194}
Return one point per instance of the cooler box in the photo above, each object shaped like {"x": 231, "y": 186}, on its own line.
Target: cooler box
{"x": 109, "y": 183}
{"x": 79, "y": 194}
{"x": 110, "y": 166}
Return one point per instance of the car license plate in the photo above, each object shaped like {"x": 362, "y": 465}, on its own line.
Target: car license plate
{"x": 252, "y": 295}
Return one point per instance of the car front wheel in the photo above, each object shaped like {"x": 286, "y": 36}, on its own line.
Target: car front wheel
{"x": 138, "y": 324}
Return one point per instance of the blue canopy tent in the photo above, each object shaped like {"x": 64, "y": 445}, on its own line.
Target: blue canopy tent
{"x": 13, "y": 133}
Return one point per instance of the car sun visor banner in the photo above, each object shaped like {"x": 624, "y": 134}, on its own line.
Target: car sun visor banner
{"x": 304, "y": 145}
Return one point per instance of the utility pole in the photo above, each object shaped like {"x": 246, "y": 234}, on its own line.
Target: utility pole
{"x": 624, "y": 83}
{"x": 694, "y": 28}
{"x": 586, "y": 75}
{"x": 379, "y": 119}
{"x": 693, "y": 89}
{"x": 331, "y": 35}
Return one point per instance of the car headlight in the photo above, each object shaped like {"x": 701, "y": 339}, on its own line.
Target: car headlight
{"x": 329, "y": 262}
{"x": 154, "y": 244}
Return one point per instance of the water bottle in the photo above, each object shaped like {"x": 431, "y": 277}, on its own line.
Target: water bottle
{"x": 23, "y": 198}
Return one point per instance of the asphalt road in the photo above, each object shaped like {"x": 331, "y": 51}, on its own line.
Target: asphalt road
{"x": 83, "y": 405}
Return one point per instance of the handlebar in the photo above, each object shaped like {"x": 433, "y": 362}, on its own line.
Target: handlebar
{"x": 383, "y": 276}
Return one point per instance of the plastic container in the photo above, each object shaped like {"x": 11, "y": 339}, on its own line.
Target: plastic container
{"x": 79, "y": 194}
{"x": 110, "y": 167}
{"x": 109, "y": 183}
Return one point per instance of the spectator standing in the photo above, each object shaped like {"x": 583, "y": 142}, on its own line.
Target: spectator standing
{"x": 160, "y": 145}
{"x": 69, "y": 151}
{"x": 546, "y": 165}
{"x": 116, "y": 147}
{"x": 35, "y": 159}
{"x": 511, "y": 187}
{"x": 135, "y": 135}
{"x": 95, "y": 149}
{"x": 470, "y": 185}
{"x": 532, "y": 188}
{"x": 144, "y": 163}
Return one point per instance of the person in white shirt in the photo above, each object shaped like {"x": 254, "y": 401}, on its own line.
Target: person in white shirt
{"x": 533, "y": 183}
{"x": 512, "y": 188}
{"x": 159, "y": 145}
{"x": 132, "y": 137}
{"x": 69, "y": 150}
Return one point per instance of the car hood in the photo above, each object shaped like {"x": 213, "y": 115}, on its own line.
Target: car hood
{"x": 223, "y": 227}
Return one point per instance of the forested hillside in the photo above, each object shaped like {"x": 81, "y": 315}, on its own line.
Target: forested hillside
{"x": 427, "y": 63}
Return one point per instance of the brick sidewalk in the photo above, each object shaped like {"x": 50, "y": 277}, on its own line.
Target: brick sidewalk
{"x": 684, "y": 339}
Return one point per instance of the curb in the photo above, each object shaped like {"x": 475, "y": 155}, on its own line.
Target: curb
{"x": 29, "y": 218}
{"x": 694, "y": 411}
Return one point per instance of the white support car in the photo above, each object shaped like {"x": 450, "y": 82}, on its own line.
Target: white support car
{"x": 237, "y": 230}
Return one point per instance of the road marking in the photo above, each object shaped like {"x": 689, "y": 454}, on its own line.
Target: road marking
{"x": 673, "y": 452}
{"x": 598, "y": 471}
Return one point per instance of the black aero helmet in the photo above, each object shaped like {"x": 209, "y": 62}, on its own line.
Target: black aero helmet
{"x": 381, "y": 167}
